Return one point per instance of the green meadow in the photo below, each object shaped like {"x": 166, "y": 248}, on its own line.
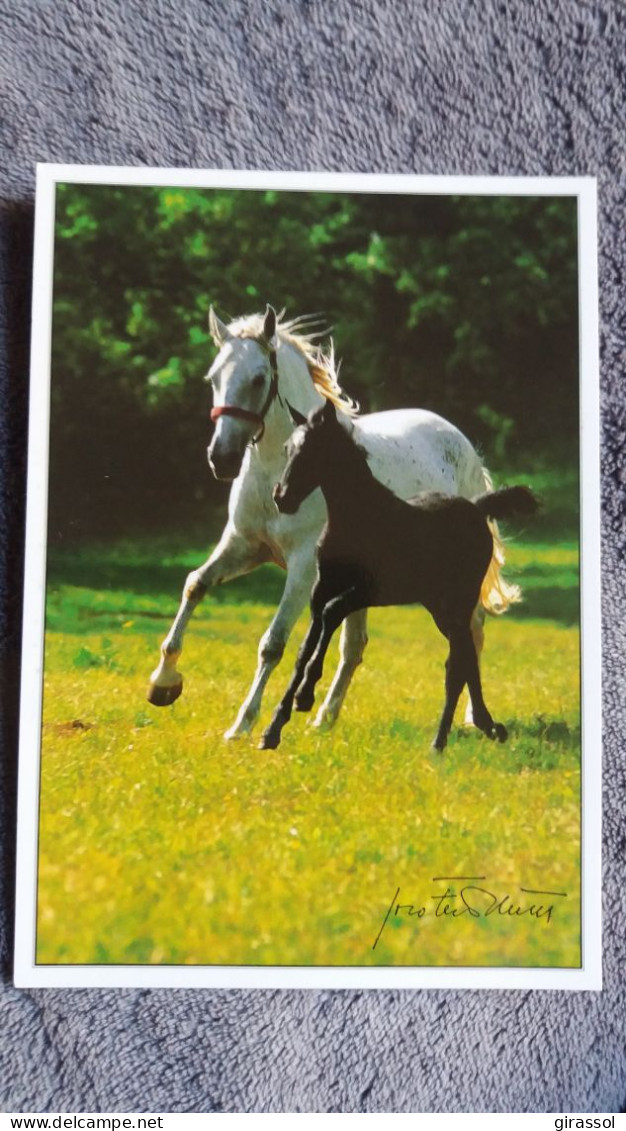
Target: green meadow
{"x": 161, "y": 843}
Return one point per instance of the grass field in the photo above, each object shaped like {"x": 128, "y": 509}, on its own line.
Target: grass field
{"x": 161, "y": 843}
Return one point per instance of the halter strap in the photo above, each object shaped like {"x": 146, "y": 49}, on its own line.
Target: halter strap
{"x": 246, "y": 413}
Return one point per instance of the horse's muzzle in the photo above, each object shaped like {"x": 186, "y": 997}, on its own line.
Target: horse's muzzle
{"x": 225, "y": 466}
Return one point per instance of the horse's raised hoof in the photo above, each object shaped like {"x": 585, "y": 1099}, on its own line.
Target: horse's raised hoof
{"x": 500, "y": 732}
{"x": 164, "y": 696}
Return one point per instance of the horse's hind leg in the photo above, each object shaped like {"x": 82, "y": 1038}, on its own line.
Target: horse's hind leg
{"x": 231, "y": 557}
{"x": 351, "y": 648}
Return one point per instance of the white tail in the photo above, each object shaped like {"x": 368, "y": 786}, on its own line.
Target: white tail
{"x": 496, "y": 594}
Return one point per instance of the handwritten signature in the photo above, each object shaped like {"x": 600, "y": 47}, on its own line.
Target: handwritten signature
{"x": 474, "y": 900}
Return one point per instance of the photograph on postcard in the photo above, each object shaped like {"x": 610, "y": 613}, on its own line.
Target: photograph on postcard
{"x": 312, "y": 665}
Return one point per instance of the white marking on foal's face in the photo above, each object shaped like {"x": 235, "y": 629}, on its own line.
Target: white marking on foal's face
{"x": 295, "y": 441}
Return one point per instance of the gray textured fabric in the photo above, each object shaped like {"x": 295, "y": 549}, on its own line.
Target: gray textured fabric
{"x": 447, "y": 86}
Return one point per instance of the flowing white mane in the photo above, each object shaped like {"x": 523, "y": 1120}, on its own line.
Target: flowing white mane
{"x": 323, "y": 369}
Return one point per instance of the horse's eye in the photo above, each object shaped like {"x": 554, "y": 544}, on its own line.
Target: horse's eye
{"x": 258, "y": 380}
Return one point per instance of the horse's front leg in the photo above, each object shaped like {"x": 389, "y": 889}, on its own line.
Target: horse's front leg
{"x": 351, "y": 648}
{"x": 231, "y": 557}
{"x": 300, "y": 576}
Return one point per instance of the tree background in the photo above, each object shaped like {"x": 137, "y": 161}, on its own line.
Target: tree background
{"x": 465, "y": 305}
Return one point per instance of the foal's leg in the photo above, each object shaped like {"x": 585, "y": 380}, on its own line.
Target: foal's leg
{"x": 482, "y": 717}
{"x": 351, "y": 648}
{"x": 456, "y": 678}
{"x": 282, "y": 714}
{"x": 478, "y": 635}
{"x": 335, "y": 611}
{"x": 231, "y": 557}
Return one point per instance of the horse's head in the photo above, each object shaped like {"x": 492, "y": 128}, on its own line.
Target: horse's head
{"x": 243, "y": 377}
{"x": 310, "y": 451}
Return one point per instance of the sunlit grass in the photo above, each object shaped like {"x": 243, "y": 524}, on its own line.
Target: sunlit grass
{"x": 161, "y": 843}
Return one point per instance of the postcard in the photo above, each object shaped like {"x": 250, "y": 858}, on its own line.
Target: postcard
{"x": 311, "y": 654}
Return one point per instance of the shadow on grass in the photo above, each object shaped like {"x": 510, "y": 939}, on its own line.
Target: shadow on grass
{"x": 537, "y": 743}
{"x": 146, "y": 578}
{"x": 546, "y": 730}
{"x": 551, "y": 602}
{"x": 154, "y": 579}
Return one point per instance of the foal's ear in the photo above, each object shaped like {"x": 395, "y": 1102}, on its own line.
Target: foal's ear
{"x": 269, "y": 327}
{"x": 218, "y": 330}
{"x": 296, "y": 417}
{"x": 329, "y": 413}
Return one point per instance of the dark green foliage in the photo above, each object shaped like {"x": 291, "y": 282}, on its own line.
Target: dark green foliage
{"x": 465, "y": 305}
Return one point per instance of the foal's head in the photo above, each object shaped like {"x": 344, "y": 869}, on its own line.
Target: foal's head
{"x": 312, "y": 449}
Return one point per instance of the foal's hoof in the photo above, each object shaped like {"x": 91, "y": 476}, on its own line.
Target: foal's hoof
{"x": 500, "y": 732}
{"x": 164, "y": 696}
{"x": 439, "y": 744}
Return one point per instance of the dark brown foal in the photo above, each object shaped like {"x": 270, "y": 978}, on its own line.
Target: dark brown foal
{"x": 377, "y": 550}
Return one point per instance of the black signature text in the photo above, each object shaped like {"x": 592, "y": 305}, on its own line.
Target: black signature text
{"x": 471, "y": 898}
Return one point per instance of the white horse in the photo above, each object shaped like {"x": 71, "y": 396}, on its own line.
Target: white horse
{"x": 263, "y": 366}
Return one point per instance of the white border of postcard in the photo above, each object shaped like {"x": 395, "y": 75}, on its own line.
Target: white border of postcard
{"x": 26, "y": 971}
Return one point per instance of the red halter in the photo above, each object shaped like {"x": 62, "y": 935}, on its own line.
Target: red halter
{"x": 247, "y": 414}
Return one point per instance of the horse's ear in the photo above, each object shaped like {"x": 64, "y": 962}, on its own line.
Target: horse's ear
{"x": 296, "y": 417}
{"x": 218, "y": 330}
{"x": 269, "y": 327}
